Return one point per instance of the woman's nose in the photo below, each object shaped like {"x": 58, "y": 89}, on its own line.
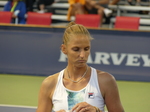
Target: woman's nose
{"x": 82, "y": 54}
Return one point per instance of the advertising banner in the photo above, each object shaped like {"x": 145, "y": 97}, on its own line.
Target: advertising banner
{"x": 124, "y": 54}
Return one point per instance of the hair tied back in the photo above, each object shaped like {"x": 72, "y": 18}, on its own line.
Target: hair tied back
{"x": 71, "y": 24}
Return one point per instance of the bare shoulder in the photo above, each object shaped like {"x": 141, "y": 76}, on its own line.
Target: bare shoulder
{"x": 105, "y": 77}
{"x": 106, "y": 81}
{"x": 49, "y": 84}
{"x": 50, "y": 81}
{"x": 45, "y": 94}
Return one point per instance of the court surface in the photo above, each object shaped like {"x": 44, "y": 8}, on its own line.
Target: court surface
{"x": 24, "y": 92}
{"x": 12, "y": 108}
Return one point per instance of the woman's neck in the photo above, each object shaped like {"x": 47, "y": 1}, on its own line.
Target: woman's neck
{"x": 76, "y": 72}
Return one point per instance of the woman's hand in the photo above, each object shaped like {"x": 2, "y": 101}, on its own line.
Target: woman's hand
{"x": 83, "y": 107}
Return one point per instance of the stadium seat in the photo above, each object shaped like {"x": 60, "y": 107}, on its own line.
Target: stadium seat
{"x": 5, "y": 17}
{"x": 34, "y": 18}
{"x": 88, "y": 20}
{"x": 123, "y": 22}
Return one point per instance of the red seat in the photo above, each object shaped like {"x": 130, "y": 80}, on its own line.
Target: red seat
{"x": 39, "y": 18}
{"x": 5, "y": 17}
{"x": 88, "y": 20}
{"x": 123, "y": 22}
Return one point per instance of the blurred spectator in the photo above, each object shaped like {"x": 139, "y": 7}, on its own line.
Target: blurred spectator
{"x": 137, "y": 2}
{"x": 29, "y": 4}
{"x": 76, "y": 7}
{"x": 18, "y": 8}
{"x": 98, "y": 7}
{"x": 89, "y": 6}
{"x": 42, "y": 3}
{"x": 113, "y": 2}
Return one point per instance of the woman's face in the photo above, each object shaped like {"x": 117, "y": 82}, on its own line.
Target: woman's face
{"x": 78, "y": 50}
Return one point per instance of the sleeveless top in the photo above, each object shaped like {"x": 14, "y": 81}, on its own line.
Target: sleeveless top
{"x": 64, "y": 98}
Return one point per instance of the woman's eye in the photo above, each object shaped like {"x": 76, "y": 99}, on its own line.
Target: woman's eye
{"x": 76, "y": 49}
{"x": 86, "y": 49}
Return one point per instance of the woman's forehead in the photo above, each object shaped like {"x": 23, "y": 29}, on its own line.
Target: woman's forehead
{"x": 79, "y": 40}
{"x": 79, "y": 37}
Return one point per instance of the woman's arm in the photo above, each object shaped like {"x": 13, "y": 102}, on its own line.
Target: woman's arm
{"x": 44, "y": 101}
{"x": 110, "y": 93}
{"x": 45, "y": 94}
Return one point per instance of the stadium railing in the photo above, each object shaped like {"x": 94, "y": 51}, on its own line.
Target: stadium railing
{"x": 121, "y": 8}
{"x": 144, "y": 21}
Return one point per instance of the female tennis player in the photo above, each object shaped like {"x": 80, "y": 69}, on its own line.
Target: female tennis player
{"x": 78, "y": 87}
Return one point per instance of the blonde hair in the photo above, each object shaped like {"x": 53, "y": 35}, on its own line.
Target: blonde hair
{"x": 75, "y": 29}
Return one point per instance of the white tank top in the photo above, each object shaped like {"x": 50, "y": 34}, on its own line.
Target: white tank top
{"x": 64, "y": 98}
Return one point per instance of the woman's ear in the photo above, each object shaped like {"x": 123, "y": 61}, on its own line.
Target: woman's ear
{"x": 63, "y": 48}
